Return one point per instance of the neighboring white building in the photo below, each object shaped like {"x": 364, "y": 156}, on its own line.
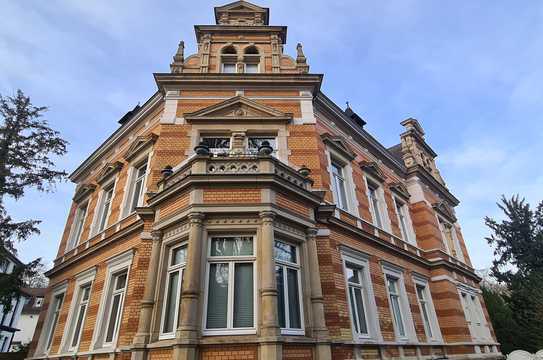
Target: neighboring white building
{"x": 29, "y": 317}
{"x": 9, "y": 319}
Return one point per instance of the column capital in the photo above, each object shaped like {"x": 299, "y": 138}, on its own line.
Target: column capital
{"x": 311, "y": 232}
{"x": 156, "y": 235}
{"x": 196, "y": 218}
{"x": 267, "y": 216}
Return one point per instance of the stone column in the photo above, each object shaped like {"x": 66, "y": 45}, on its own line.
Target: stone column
{"x": 270, "y": 331}
{"x": 188, "y": 329}
{"x": 320, "y": 332}
{"x": 143, "y": 333}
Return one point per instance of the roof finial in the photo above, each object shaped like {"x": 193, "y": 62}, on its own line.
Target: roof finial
{"x": 347, "y": 102}
{"x": 178, "y": 59}
{"x": 301, "y": 61}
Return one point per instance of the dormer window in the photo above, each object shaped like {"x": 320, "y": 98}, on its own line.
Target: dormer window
{"x": 229, "y": 58}
{"x": 251, "y": 60}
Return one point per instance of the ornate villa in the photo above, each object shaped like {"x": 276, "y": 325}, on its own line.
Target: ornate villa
{"x": 239, "y": 213}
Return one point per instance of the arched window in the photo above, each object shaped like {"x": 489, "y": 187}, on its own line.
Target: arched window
{"x": 229, "y": 57}
{"x": 251, "y": 59}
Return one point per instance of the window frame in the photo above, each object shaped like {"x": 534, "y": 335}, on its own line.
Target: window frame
{"x": 211, "y": 136}
{"x": 362, "y": 260}
{"x": 48, "y": 335}
{"x": 75, "y": 234}
{"x": 442, "y": 222}
{"x": 99, "y": 214}
{"x": 379, "y": 190}
{"x": 170, "y": 269}
{"x": 231, "y": 261}
{"x": 478, "y": 327}
{"x": 234, "y": 64}
{"x": 294, "y": 266}
{"x": 408, "y": 235}
{"x": 115, "y": 265}
{"x": 339, "y": 196}
{"x": 135, "y": 165}
{"x": 392, "y": 271}
{"x": 431, "y": 310}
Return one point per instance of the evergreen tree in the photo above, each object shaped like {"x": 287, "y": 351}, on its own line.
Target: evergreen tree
{"x": 27, "y": 148}
{"x": 518, "y": 247}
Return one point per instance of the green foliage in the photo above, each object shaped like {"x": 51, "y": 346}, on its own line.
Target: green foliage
{"x": 27, "y": 148}
{"x": 518, "y": 246}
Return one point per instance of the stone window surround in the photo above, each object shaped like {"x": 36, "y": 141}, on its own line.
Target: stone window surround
{"x": 385, "y": 219}
{"x": 221, "y": 226}
{"x": 362, "y": 259}
{"x": 98, "y": 207}
{"x": 57, "y": 290}
{"x": 334, "y": 156}
{"x": 456, "y": 241}
{"x": 133, "y": 165}
{"x": 72, "y": 243}
{"x": 239, "y": 59}
{"x": 434, "y": 323}
{"x": 278, "y": 130}
{"x": 407, "y": 317}
{"x": 114, "y": 265}
{"x": 82, "y": 279}
{"x": 478, "y": 332}
{"x": 411, "y": 237}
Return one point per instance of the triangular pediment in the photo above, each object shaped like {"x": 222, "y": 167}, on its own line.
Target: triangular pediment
{"x": 108, "y": 170}
{"x": 139, "y": 144}
{"x": 238, "y": 108}
{"x": 337, "y": 144}
{"x": 241, "y": 13}
{"x": 445, "y": 210}
{"x": 400, "y": 189}
{"x": 372, "y": 168}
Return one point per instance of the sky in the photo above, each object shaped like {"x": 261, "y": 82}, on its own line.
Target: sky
{"x": 469, "y": 71}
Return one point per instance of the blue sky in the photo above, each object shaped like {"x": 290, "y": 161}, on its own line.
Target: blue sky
{"x": 470, "y": 71}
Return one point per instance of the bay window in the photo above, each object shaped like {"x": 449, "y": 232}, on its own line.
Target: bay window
{"x": 287, "y": 273}
{"x": 338, "y": 186}
{"x": 230, "y": 285}
{"x": 172, "y": 294}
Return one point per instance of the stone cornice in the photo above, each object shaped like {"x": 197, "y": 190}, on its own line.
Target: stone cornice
{"x": 200, "y": 30}
{"x": 169, "y": 81}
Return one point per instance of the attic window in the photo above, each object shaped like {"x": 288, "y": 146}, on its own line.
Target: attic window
{"x": 251, "y": 60}
{"x": 228, "y": 60}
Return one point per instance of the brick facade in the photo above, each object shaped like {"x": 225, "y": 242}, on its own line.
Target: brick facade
{"x": 268, "y": 197}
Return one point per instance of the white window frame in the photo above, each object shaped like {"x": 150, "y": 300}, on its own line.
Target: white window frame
{"x": 82, "y": 280}
{"x": 289, "y": 265}
{"x": 473, "y": 312}
{"x": 456, "y": 243}
{"x": 75, "y": 232}
{"x": 350, "y": 192}
{"x": 408, "y": 235}
{"x": 390, "y": 270}
{"x": 383, "y": 207}
{"x": 250, "y": 63}
{"x": 49, "y": 328}
{"x": 99, "y": 213}
{"x": 137, "y": 163}
{"x": 229, "y": 63}
{"x": 115, "y": 265}
{"x": 170, "y": 270}
{"x": 362, "y": 260}
{"x": 231, "y": 260}
{"x": 430, "y": 308}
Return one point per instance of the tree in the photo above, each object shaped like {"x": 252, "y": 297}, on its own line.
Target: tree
{"x": 518, "y": 247}
{"x": 501, "y": 316}
{"x": 27, "y": 150}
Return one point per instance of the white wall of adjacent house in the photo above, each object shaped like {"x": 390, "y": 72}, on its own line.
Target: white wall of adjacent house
{"x": 26, "y": 325}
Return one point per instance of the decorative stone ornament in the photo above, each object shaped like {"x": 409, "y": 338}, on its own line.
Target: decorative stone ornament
{"x": 265, "y": 149}
{"x": 304, "y": 171}
{"x": 167, "y": 171}
{"x": 301, "y": 61}
{"x": 201, "y": 149}
{"x": 178, "y": 59}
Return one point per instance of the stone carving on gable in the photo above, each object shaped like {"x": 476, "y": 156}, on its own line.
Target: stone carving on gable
{"x": 416, "y": 151}
{"x": 139, "y": 144}
{"x": 400, "y": 189}
{"x": 241, "y": 13}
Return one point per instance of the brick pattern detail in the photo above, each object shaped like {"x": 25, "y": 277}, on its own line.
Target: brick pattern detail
{"x": 284, "y": 202}
{"x": 294, "y": 352}
{"x": 229, "y": 352}
{"x": 237, "y": 196}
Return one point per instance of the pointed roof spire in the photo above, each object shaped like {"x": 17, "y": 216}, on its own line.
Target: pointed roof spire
{"x": 301, "y": 61}
{"x": 178, "y": 59}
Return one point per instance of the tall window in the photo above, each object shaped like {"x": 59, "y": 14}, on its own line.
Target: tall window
{"x": 57, "y": 305}
{"x": 118, "y": 288}
{"x": 402, "y": 210}
{"x": 254, "y": 142}
{"x": 228, "y": 59}
{"x": 424, "y": 309}
{"x": 137, "y": 186}
{"x": 338, "y": 186}
{"x": 81, "y": 310}
{"x": 395, "y": 304}
{"x": 174, "y": 278}
{"x": 447, "y": 232}
{"x": 287, "y": 273}
{"x": 105, "y": 206}
{"x": 251, "y": 59}
{"x": 357, "y": 295}
{"x": 217, "y": 145}
{"x": 230, "y": 293}
{"x": 77, "y": 227}
{"x": 375, "y": 204}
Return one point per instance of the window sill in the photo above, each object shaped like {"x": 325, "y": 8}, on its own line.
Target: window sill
{"x": 229, "y": 332}
{"x": 294, "y": 332}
